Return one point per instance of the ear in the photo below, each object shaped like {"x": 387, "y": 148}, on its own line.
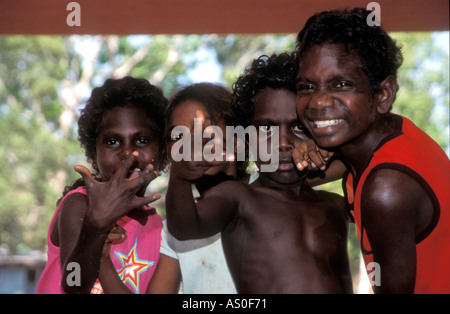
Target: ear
{"x": 386, "y": 94}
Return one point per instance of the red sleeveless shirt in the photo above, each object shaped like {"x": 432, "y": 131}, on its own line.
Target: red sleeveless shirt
{"x": 413, "y": 152}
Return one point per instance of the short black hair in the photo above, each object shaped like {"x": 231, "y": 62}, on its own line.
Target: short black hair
{"x": 277, "y": 71}
{"x": 379, "y": 54}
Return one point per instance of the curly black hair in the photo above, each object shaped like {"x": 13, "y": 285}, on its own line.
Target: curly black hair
{"x": 277, "y": 71}
{"x": 378, "y": 53}
{"x": 117, "y": 93}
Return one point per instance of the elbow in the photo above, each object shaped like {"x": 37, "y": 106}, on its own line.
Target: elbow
{"x": 179, "y": 233}
{"x": 71, "y": 282}
{"x": 74, "y": 289}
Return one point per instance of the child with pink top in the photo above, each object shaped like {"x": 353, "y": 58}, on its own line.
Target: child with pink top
{"x": 103, "y": 236}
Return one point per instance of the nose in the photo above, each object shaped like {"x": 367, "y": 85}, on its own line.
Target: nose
{"x": 124, "y": 154}
{"x": 321, "y": 99}
{"x": 126, "y": 151}
{"x": 285, "y": 141}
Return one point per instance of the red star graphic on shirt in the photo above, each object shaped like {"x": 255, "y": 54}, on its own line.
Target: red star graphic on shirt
{"x": 132, "y": 267}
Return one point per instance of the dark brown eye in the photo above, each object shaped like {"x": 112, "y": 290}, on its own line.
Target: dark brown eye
{"x": 176, "y": 137}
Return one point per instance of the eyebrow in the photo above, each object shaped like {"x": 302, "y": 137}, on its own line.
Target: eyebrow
{"x": 134, "y": 134}
{"x": 333, "y": 78}
{"x": 272, "y": 122}
{"x": 191, "y": 124}
{"x": 263, "y": 120}
{"x": 302, "y": 79}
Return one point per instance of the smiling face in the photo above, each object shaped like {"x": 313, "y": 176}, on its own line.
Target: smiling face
{"x": 124, "y": 130}
{"x": 334, "y": 100}
{"x": 276, "y": 107}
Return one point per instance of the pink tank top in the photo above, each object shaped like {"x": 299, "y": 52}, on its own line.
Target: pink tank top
{"x": 134, "y": 259}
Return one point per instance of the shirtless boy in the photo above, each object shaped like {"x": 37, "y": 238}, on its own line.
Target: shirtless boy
{"x": 278, "y": 234}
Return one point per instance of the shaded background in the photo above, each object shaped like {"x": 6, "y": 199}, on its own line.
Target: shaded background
{"x": 48, "y": 69}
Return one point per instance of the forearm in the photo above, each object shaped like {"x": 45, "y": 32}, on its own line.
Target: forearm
{"x": 167, "y": 277}
{"x": 110, "y": 280}
{"x": 397, "y": 274}
{"x": 86, "y": 257}
{"x": 181, "y": 210}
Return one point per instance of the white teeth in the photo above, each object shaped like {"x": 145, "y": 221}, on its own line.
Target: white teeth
{"x": 326, "y": 123}
{"x": 137, "y": 170}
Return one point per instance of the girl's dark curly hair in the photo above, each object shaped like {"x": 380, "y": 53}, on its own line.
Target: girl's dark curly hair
{"x": 120, "y": 93}
{"x": 117, "y": 93}
{"x": 276, "y": 71}
{"x": 378, "y": 53}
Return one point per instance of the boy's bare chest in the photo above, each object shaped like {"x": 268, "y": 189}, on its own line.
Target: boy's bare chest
{"x": 270, "y": 217}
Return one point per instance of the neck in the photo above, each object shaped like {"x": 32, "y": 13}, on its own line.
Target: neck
{"x": 359, "y": 151}
{"x": 291, "y": 190}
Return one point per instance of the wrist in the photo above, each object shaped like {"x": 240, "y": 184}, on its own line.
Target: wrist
{"x": 96, "y": 223}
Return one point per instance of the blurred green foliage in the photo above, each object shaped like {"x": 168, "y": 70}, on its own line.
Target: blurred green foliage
{"x": 37, "y": 75}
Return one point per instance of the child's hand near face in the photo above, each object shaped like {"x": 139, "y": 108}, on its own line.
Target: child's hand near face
{"x": 192, "y": 170}
{"x": 116, "y": 234}
{"x": 109, "y": 201}
{"x": 309, "y": 156}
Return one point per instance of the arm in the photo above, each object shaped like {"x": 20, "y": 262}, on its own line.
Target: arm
{"x": 86, "y": 222}
{"x": 187, "y": 219}
{"x": 391, "y": 201}
{"x": 78, "y": 243}
{"x": 109, "y": 279}
{"x": 167, "y": 276}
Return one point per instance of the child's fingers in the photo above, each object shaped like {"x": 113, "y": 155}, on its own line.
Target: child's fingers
{"x": 200, "y": 115}
{"x": 141, "y": 201}
{"x": 300, "y": 157}
{"x": 309, "y": 155}
{"x": 145, "y": 177}
{"x": 326, "y": 155}
{"x": 317, "y": 161}
{"x": 86, "y": 175}
{"x": 126, "y": 165}
{"x": 117, "y": 233}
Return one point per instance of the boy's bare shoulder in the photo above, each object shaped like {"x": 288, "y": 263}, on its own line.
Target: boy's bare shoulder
{"x": 333, "y": 200}
{"x": 326, "y": 195}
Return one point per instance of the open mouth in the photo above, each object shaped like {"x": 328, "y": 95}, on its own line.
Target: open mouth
{"x": 133, "y": 174}
{"x": 285, "y": 164}
{"x": 326, "y": 123}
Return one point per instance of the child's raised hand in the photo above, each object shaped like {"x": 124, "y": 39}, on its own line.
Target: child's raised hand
{"x": 111, "y": 200}
{"x": 309, "y": 156}
{"x": 116, "y": 234}
{"x": 202, "y": 161}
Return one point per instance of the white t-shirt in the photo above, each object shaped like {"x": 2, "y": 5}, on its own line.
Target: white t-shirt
{"x": 202, "y": 263}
